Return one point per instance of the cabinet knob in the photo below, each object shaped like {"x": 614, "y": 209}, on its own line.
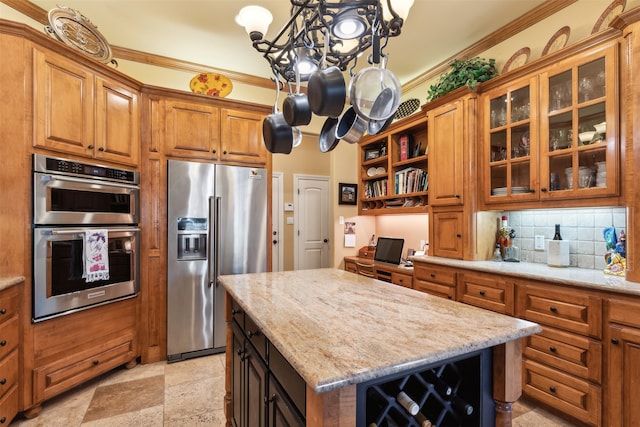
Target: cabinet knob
{"x": 3, "y": 381}
{"x": 251, "y": 334}
{"x": 552, "y": 389}
{"x": 553, "y": 309}
{"x": 552, "y": 349}
{"x": 90, "y": 146}
{"x": 432, "y": 275}
{"x": 458, "y": 235}
{"x": 3, "y": 420}
{"x": 96, "y": 362}
{"x": 543, "y": 189}
{"x": 615, "y": 341}
{"x": 235, "y": 311}
{"x": 449, "y": 297}
{"x": 482, "y": 293}
{"x": 3, "y": 311}
{"x": 3, "y": 343}
{"x": 268, "y": 399}
{"x": 457, "y": 196}
{"x": 101, "y": 149}
{"x": 224, "y": 152}
{"x": 214, "y": 151}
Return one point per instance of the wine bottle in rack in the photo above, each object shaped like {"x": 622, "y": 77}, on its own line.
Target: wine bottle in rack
{"x": 441, "y": 387}
{"x": 422, "y": 420}
{"x": 407, "y": 403}
{"x": 461, "y": 405}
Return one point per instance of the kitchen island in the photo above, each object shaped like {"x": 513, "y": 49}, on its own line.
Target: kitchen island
{"x": 341, "y": 333}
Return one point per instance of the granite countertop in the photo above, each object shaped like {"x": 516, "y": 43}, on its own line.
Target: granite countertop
{"x": 338, "y": 328}
{"x": 7, "y": 282}
{"x": 583, "y": 277}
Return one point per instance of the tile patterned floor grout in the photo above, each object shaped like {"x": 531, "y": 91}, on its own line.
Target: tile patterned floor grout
{"x": 188, "y": 393}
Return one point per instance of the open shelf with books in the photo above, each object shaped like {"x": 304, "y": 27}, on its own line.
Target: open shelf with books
{"x": 394, "y": 169}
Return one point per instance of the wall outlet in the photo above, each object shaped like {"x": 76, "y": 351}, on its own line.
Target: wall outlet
{"x": 539, "y": 243}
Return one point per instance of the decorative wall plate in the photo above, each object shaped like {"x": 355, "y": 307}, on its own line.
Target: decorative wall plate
{"x": 518, "y": 59}
{"x": 407, "y": 108}
{"x": 611, "y": 12}
{"x": 557, "y": 41}
{"x": 75, "y": 30}
{"x": 211, "y": 84}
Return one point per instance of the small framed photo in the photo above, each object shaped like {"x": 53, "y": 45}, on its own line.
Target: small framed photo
{"x": 347, "y": 194}
{"x": 371, "y": 153}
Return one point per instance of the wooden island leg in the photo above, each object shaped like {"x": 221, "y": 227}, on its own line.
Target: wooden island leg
{"x": 507, "y": 379}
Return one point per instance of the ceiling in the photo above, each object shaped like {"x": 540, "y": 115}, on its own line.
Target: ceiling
{"x": 204, "y": 31}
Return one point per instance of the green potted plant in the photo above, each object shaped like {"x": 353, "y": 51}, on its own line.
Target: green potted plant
{"x": 467, "y": 72}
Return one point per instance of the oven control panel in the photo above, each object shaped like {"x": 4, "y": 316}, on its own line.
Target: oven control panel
{"x": 72, "y": 167}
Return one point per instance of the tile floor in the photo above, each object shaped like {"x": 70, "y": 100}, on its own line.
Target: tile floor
{"x": 188, "y": 393}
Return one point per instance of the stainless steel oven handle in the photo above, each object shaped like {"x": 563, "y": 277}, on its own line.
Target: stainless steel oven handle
{"x": 83, "y": 230}
{"x": 50, "y": 178}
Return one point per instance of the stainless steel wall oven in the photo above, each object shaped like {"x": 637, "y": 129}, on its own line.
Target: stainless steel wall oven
{"x": 77, "y": 206}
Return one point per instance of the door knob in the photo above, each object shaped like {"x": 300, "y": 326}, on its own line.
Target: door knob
{"x": 326, "y": 240}
{"x": 275, "y": 233}
{"x": 275, "y": 242}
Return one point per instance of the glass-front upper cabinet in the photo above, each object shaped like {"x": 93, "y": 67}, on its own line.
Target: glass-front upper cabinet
{"x": 511, "y": 133}
{"x": 578, "y": 127}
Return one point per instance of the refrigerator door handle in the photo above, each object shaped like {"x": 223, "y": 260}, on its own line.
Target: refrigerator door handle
{"x": 213, "y": 235}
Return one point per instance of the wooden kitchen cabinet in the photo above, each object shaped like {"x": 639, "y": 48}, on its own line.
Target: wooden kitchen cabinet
{"x": 9, "y": 354}
{"x": 80, "y": 112}
{"x": 435, "y": 280}
{"x": 192, "y": 130}
{"x": 393, "y": 169}
{"x": 486, "y": 290}
{"x": 446, "y": 233}
{"x": 533, "y": 152}
{"x": 622, "y": 342}
{"x": 241, "y": 137}
{"x": 563, "y": 365}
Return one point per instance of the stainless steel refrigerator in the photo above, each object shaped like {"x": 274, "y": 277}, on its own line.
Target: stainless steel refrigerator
{"x": 217, "y": 224}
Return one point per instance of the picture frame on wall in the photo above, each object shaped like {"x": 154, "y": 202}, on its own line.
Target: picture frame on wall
{"x": 347, "y": 194}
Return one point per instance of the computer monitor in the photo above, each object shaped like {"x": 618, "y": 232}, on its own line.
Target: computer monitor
{"x": 389, "y": 250}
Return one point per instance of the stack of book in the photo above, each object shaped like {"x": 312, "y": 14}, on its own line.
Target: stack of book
{"x": 375, "y": 188}
{"x": 411, "y": 180}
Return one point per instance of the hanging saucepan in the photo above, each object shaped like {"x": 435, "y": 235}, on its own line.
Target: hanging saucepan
{"x": 295, "y": 108}
{"x": 328, "y": 140}
{"x": 277, "y": 134}
{"x": 351, "y": 126}
{"x": 375, "y": 93}
{"x": 381, "y": 102}
{"x": 326, "y": 88}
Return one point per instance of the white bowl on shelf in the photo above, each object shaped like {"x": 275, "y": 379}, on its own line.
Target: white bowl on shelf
{"x": 601, "y": 128}
{"x": 586, "y": 137}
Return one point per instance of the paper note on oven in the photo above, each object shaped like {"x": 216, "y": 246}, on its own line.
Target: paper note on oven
{"x": 96, "y": 255}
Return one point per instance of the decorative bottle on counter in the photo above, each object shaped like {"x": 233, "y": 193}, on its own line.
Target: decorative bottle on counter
{"x": 503, "y": 239}
{"x": 557, "y": 235}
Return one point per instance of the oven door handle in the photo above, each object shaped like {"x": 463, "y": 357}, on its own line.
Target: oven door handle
{"x": 52, "y": 178}
{"x": 84, "y": 230}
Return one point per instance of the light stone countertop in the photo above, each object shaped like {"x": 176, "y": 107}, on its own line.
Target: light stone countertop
{"x": 7, "y": 282}
{"x": 583, "y": 277}
{"x": 338, "y": 328}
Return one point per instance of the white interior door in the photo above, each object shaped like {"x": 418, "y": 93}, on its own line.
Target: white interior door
{"x": 311, "y": 222}
{"x": 277, "y": 226}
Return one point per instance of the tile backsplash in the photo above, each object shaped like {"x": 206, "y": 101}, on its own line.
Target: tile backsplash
{"x": 582, "y": 227}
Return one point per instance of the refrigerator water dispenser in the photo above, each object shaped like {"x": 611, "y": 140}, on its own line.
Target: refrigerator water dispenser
{"x": 191, "y": 244}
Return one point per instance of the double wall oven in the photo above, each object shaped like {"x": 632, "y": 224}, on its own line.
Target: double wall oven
{"x": 71, "y": 201}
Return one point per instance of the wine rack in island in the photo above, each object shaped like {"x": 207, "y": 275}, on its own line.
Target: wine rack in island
{"x": 454, "y": 393}
{"x": 393, "y": 169}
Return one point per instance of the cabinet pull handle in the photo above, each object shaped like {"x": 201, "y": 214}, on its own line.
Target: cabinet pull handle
{"x": 615, "y": 341}
{"x": 482, "y": 293}
{"x": 90, "y": 146}
{"x": 3, "y": 381}
{"x": 552, "y": 389}
{"x": 553, "y": 309}
{"x": 552, "y": 349}
{"x": 253, "y": 334}
{"x": 96, "y": 362}
{"x": 3, "y": 343}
